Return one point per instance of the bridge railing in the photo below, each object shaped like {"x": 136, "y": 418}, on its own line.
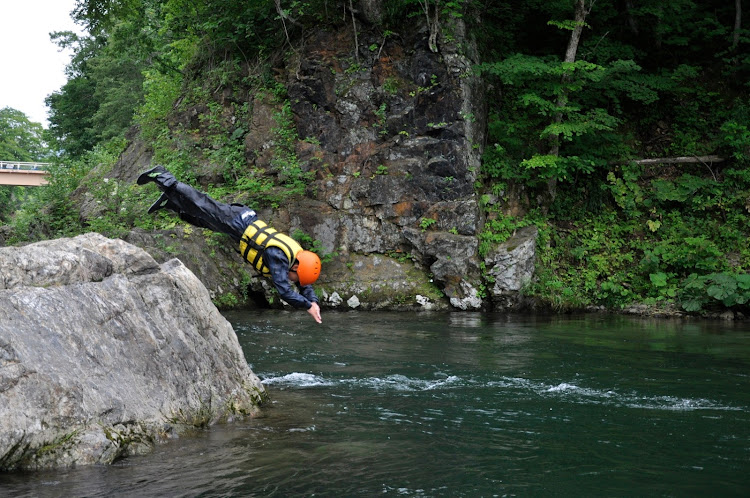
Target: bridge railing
{"x": 21, "y": 165}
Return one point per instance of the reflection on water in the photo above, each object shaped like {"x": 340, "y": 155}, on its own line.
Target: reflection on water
{"x": 461, "y": 404}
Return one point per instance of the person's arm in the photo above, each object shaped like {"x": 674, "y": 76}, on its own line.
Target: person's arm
{"x": 278, "y": 264}
{"x": 308, "y": 292}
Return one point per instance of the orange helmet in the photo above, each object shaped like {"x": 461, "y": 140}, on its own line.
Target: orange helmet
{"x": 309, "y": 267}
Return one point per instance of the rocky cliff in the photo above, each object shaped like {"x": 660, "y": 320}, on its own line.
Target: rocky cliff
{"x": 104, "y": 352}
{"x": 391, "y": 127}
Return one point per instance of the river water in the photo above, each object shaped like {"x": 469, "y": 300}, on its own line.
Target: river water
{"x": 461, "y": 404}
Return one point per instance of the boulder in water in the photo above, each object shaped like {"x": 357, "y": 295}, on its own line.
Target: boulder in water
{"x": 104, "y": 352}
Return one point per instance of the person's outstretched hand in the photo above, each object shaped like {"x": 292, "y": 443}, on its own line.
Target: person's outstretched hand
{"x": 315, "y": 312}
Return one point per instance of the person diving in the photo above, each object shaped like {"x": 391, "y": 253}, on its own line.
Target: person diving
{"x": 273, "y": 254}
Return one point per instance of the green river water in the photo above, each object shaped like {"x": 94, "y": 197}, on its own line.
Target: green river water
{"x": 461, "y": 404}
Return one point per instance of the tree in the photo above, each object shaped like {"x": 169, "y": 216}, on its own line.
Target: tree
{"x": 20, "y": 140}
{"x": 71, "y": 115}
{"x": 104, "y": 88}
{"x": 551, "y": 102}
{"x": 576, "y": 28}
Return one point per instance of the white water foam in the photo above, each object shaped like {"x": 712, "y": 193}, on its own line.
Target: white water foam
{"x": 577, "y": 394}
{"x": 404, "y": 383}
{"x": 297, "y": 379}
{"x": 573, "y": 393}
{"x": 397, "y": 382}
{"x": 563, "y": 391}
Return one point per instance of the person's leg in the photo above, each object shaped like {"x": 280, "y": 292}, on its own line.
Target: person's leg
{"x": 199, "y": 209}
{"x": 194, "y": 206}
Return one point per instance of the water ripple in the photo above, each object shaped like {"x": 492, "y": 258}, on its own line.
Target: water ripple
{"x": 563, "y": 391}
{"x": 577, "y": 394}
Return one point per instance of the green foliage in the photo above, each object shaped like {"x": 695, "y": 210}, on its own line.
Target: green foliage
{"x": 736, "y": 139}
{"x": 21, "y": 139}
{"x": 701, "y": 292}
{"x": 104, "y": 88}
{"x": 498, "y": 230}
{"x": 285, "y": 158}
{"x": 663, "y": 241}
{"x": 314, "y": 245}
{"x": 682, "y": 255}
{"x": 649, "y": 80}
{"x": 117, "y": 70}
{"x": 49, "y": 211}
{"x": 626, "y": 190}
{"x": 71, "y": 117}
{"x": 391, "y": 85}
{"x": 137, "y": 54}
{"x": 7, "y": 202}
{"x": 551, "y": 99}
{"x": 380, "y": 114}
{"x": 395, "y": 11}
{"x": 121, "y": 206}
{"x": 617, "y": 232}
{"x": 425, "y": 223}
{"x": 227, "y": 300}
{"x": 161, "y": 91}
{"x": 551, "y": 166}
{"x": 586, "y": 265}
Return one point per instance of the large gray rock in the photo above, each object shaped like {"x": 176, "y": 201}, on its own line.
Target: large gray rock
{"x": 104, "y": 352}
{"x": 511, "y": 267}
{"x": 212, "y": 257}
{"x": 395, "y": 149}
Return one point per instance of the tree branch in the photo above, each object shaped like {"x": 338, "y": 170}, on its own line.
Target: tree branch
{"x": 354, "y": 27}
{"x": 680, "y": 160}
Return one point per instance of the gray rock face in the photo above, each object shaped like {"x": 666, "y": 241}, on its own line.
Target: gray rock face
{"x": 104, "y": 352}
{"x": 511, "y": 266}
{"x": 377, "y": 282}
{"x": 395, "y": 134}
{"x": 219, "y": 266}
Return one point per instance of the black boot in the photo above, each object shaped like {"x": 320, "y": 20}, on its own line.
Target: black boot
{"x": 151, "y": 175}
{"x": 163, "y": 202}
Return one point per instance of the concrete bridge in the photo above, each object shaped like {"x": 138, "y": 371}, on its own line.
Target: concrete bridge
{"x": 23, "y": 173}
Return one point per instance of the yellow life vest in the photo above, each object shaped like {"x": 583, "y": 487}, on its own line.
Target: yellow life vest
{"x": 257, "y": 237}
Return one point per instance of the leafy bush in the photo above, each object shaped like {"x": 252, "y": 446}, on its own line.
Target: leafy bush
{"x": 704, "y": 291}
{"x": 736, "y": 138}
{"x": 49, "y": 211}
{"x": 497, "y": 231}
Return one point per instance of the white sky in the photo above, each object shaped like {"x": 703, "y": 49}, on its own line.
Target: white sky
{"x": 31, "y": 66}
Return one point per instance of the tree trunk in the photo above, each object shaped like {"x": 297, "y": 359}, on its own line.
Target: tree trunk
{"x": 432, "y": 24}
{"x": 737, "y": 23}
{"x": 575, "y": 36}
{"x": 570, "y": 56}
{"x": 631, "y": 20}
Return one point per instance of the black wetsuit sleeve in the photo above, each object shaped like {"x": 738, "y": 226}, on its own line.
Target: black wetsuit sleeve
{"x": 278, "y": 264}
